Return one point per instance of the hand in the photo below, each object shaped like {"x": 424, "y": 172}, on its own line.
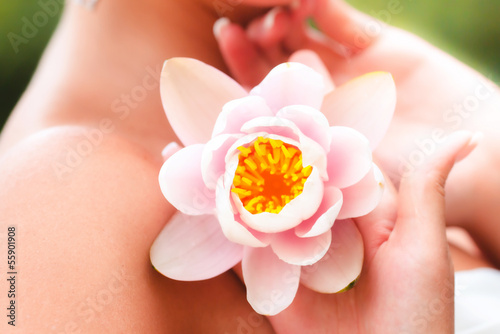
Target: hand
{"x": 407, "y": 284}
{"x": 436, "y": 96}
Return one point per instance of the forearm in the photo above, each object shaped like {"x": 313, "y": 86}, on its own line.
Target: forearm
{"x": 473, "y": 189}
{"x": 484, "y": 224}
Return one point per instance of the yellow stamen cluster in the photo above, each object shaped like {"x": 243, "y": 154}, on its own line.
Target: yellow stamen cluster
{"x": 269, "y": 175}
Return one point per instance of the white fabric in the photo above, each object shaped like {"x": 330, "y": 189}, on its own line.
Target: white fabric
{"x": 477, "y": 301}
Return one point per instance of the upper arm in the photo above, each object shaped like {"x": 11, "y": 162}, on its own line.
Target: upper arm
{"x": 86, "y": 215}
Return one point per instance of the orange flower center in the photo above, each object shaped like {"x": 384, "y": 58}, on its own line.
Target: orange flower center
{"x": 269, "y": 175}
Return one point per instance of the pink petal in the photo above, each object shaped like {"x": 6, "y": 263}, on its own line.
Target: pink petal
{"x": 312, "y": 60}
{"x": 301, "y": 251}
{"x": 271, "y": 283}
{"x": 232, "y": 227}
{"x": 300, "y": 208}
{"x": 342, "y": 263}
{"x": 289, "y": 84}
{"x": 362, "y": 197}
{"x": 349, "y": 157}
{"x": 310, "y": 121}
{"x": 193, "y": 248}
{"x": 325, "y": 216}
{"x": 236, "y": 112}
{"x": 213, "y": 158}
{"x": 193, "y": 95}
{"x": 366, "y": 104}
{"x": 182, "y": 184}
{"x": 272, "y": 125}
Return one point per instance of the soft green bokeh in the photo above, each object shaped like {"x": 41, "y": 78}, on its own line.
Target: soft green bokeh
{"x": 16, "y": 68}
{"x": 469, "y": 30}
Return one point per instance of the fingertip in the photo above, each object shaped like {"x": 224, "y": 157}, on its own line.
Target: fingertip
{"x": 270, "y": 18}
{"x": 270, "y": 29}
{"x": 475, "y": 140}
{"x": 219, "y": 25}
{"x": 422, "y": 190}
{"x": 169, "y": 150}
{"x": 455, "y": 147}
{"x": 240, "y": 53}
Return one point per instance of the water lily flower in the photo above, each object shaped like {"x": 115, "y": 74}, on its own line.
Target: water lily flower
{"x": 271, "y": 177}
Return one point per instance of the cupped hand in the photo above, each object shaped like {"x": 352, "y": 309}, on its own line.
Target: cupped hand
{"x": 407, "y": 284}
{"x": 437, "y": 95}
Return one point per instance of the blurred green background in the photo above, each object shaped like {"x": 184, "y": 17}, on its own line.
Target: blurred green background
{"x": 16, "y": 68}
{"x": 469, "y": 30}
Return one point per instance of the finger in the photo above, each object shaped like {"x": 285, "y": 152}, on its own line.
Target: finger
{"x": 421, "y": 207}
{"x": 281, "y": 32}
{"x": 271, "y": 28}
{"x": 376, "y": 227}
{"x": 246, "y": 63}
{"x": 280, "y": 27}
{"x": 331, "y": 53}
{"x": 344, "y": 24}
{"x": 268, "y": 33}
{"x": 169, "y": 150}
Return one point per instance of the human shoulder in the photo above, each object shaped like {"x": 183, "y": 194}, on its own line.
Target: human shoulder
{"x": 74, "y": 165}
{"x": 64, "y": 152}
{"x": 83, "y": 234}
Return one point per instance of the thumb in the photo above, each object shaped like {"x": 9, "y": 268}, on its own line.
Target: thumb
{"x": 421, "y": 192}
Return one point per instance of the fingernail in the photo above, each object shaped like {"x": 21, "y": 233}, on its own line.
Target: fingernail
{"x": 476, "y": 138}
{"x": 169, "y": 150}
{"x": 270, "y": 19}
{"x": 260, "y": 28}
{"x": 219, "y": 25}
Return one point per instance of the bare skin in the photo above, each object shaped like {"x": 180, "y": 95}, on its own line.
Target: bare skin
{"x": 456, "y": 98}
{"x": 85, "y": 223}
{"x": 108, "y": 203}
